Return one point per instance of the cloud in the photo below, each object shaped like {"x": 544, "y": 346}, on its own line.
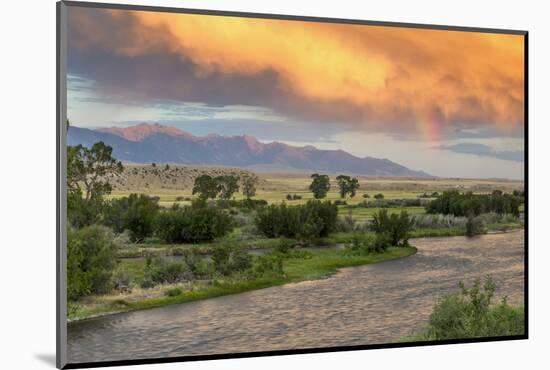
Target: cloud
{"x": 484, "y": 151}
{"x": 383, "y": 78}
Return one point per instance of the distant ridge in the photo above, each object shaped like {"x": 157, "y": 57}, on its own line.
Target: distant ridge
{"x": 147, "y": 143}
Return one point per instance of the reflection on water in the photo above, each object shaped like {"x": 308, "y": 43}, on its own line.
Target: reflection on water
{"x": 362, "y": 305}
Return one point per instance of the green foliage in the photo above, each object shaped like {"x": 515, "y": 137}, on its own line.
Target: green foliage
{"x": 87, "y": 183}
{"x": 469, "y": 314}
{"x": 206, "y": 186}
{"x": 173, "y": 292}
{"x": 160, "y": 271}
{"x": 227, "y": 185}
{"x": 91, "y": 261}
{"x": 395, "y": 227}
{"x": 364, "y": 244}
{"x": 193, "y": 224}
{"x": 379, "y": 196}
{"x": 466, "y": 204}
{"x": 248, "y": 183}
{"x": 347, "y": 185}
{"x": 135, "y": 213}
{"x": 311, "y": 220}
{"x": 475, "y": 226}
{"x": 229, "y": 259}
{"x": 269, "y": 265}
{"x": 320, "y": 185}
{"x": 87, "y": 169}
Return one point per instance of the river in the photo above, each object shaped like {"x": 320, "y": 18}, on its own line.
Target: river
{"x": 370, "y": 304}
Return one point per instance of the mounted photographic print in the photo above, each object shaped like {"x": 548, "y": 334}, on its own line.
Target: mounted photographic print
{"x": 236, "y": 184}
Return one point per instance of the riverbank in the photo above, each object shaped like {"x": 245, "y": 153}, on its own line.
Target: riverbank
{"x": 309, "y": 266}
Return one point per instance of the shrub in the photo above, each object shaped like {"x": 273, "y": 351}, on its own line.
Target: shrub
{"x": 197, "y": 223}
{"x": 284, "y": 245}
{"x": 475, "y": 226}
{"x": 268, "y": 265}
{"x": 173, "y": 292}
{"x": 469, "y": 314}
{"x": 161, "y": 271}
{"x": 395, "y": 227}
{"x": 229, "y": 259}
{"x": 379, "y": 196}
{"x": 438, "y": 221}
{"x": 340, "y": 202}
{"x": 91, "y": 261}
{"x": 310, "y": 220}
{"x": 363, "y": 244}
{"x": 135, "y": 213}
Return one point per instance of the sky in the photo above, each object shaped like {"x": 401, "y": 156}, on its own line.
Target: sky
{"x": 449, "y": 103}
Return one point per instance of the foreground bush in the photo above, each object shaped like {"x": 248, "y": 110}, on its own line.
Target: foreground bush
{"x": 91, "y": 261}
{"x": 363, "y": 244}
{"x": 135, "y": 213}
{"x": 469, "y": 314}
{"x": 311, "y": 220}
{"x": 197, "y": 223}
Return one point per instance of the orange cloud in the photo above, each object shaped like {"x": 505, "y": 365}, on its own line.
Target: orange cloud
{"x": 389, "y": 75}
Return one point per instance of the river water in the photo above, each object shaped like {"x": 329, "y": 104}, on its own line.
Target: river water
{"x": 369, "y": 304}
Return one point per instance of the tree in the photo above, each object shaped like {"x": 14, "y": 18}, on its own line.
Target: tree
{"x": 347, "y": 185}
{"x": 87, "y": 181}
{"x": 249, "y": 182}
{"x": 87, "y": 170}
{"x": 320, "y": 185}
{"x": 227, "y": 185}
{"x": 206, "y": 187}
{"x": 135, "y": 213}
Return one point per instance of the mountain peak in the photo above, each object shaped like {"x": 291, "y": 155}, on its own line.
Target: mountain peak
{"x": 144, "y": 130}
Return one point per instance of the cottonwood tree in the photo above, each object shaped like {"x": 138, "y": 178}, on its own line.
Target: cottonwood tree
{"x": 320, "y": 185}
{"x": 249, "y": 182}
{"x": 88, "y": 168}
{"x": 227, "y": 185}
{"x": 347, "y": 185}
{"x": 206, "y": 186}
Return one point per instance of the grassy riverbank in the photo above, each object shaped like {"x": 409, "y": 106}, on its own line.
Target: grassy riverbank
{"x": 307, "y": 266}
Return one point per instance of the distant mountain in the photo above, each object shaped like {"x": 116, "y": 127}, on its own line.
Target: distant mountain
{"x": 147, "y": 143}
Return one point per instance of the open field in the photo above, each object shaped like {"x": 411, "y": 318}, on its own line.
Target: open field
{"x": 173, "y": 184}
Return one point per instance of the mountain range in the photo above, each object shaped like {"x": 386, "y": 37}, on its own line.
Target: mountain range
{"x": 147, "y": 143}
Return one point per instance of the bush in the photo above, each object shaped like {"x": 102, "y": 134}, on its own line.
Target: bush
{"x": 395, "y": 227}
{"x": 197, "y": 223}
{"x": 173, "y": 292}
{"x": 311, "y": 220}
{"x": 475, "y": 226}
{"x": 438, "y": 221}
{"x": 268, "y": 265}
{"x": 135, "y": 213}
{"x": 168, "y": 272}
{"x": 379, "y": 196}
{"x": 91, "y": 261}
{"x": 363, "y": 244}
{"x": 469, "y": 314}
{"x": 340, "y": 202}
{"x": 284, "y": 246}
{"x": 229, "y": 259}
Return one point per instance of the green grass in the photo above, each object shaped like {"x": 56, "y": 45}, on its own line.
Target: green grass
{"x": 316, "y": 265}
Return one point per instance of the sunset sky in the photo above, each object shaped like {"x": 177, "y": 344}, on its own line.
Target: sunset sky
{"x": 446, "y": 102}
